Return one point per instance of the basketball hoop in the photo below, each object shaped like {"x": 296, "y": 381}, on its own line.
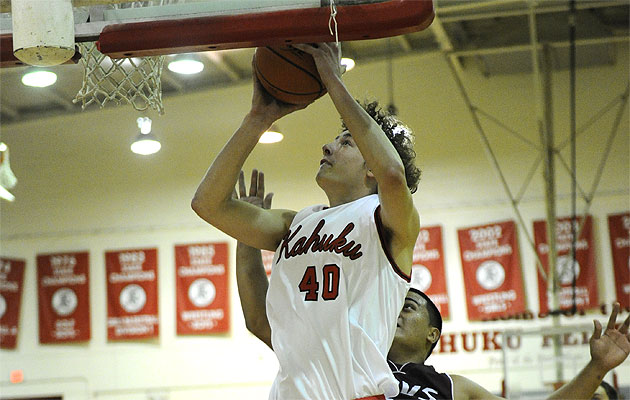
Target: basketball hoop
{"x": 126, "y": 80}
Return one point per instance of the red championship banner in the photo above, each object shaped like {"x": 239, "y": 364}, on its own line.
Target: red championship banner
{"x": 11, "y": 284}
{"x": 427, "y": 273}
{"x": 492, "y": 271}
{"x": 619, "y": 228}
{"x": 132, "y": 294}
{"x": 201, "y": 276}
{"x": 64, "y": 297}
{"x": 584, "y": 268}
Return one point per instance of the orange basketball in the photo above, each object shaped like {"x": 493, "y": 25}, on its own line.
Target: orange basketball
{"x": 288, "y": 74}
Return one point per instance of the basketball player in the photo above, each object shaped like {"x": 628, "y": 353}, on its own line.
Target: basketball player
{"x": 419, "y": 328}
{"x": 341, "y": 272}
{"x": 418, "y": 331}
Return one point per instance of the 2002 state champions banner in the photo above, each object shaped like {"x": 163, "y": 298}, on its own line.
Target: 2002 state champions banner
{"x": 64, "y": 297}
{"x": 201, "y": 276}
{"x": 584, "y": 267}
{"x": 619, "y": 229}
{"x": 492, "y": 270}
{"x": 11, "y": 284}
{"x": 427, "y": 273}
{"x": 132, "y": 294}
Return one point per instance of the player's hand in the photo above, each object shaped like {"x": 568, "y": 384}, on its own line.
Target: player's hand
{"x": 612, "y": 348}
{"x": 266, "y": 106}
{"x": 326, "y": 58}
{"x": 256, "y": 190}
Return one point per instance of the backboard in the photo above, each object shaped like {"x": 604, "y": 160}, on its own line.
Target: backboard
{"x": 122, "y": 28}
{"x": 106, "y": 31}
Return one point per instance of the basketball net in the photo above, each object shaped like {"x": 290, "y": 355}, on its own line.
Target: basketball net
{"x": 126, "y": 80}
{"x": 332, "y": 27}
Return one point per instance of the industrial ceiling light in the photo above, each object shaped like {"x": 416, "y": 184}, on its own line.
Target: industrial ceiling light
{"x": 186, "y": 65}
{"x": 39, "y": 78}
{"x": 271, "y": 135}
{"x": 146, "y": 143}
{"x": 348, "y": 62}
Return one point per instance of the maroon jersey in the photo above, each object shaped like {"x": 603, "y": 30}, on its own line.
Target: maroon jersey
{"x": 421, "y": 382}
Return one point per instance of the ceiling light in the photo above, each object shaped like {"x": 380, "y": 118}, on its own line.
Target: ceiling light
{"x": 146, "y": 143}
{"x": 39, "y": 78}
{"x": 348, "y": 62}
{"x": 186, "y": 66}
{"x": 272, "y": 135}
{"x": 144, "y": 123}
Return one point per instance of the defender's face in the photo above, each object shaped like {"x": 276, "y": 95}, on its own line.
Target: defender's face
{"x": 413, "y": 321}
{"x": 341, "y": 162}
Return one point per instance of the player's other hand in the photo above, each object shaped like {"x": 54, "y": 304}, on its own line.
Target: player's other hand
{"x": 326, "y": 56}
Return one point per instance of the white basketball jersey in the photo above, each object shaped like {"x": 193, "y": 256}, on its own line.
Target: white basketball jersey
{"x": 333, "y": 302}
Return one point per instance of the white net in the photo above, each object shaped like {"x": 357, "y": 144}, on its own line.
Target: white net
{"x": 126, "y": 80}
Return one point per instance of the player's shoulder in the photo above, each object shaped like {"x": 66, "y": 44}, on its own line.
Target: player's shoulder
{"x": 307, "y": 211}
{"x": 287, "y": 216}
{"x": 427, "y": 370}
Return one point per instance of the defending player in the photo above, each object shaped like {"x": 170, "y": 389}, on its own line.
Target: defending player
{"x": 419, "y": 328}
{"x": 340, "y": 272}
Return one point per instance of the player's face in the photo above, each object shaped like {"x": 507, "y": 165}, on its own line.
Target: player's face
{"x": 413, "y": 321}
{"x": 342, "y": 161}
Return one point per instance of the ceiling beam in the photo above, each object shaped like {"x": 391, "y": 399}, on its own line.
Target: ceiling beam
{"x": 450, "y": 13}
{"x": 53, "y": 95}
{"x": 445, "y": 43}
{"x": 528, "y": 46}
{"x": 404, "y": 43}
{"x": 169, "y": 79}
{"x": 12, "y": 112}
{"x": 219, "y": 61}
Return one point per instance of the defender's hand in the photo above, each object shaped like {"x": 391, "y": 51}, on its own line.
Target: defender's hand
{"x": 612, "y": 348}
{"x": 256, "y": 190}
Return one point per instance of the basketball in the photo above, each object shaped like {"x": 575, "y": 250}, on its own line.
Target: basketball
{"x": 288, "y": 74}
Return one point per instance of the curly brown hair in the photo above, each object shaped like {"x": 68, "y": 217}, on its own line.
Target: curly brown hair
{"x": 399, "y": 135}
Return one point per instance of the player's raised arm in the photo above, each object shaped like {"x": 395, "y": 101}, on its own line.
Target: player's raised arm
{"x": 607, "y": 352}
{"x": 398, "y": 213}
{"x": 213, "y": 199}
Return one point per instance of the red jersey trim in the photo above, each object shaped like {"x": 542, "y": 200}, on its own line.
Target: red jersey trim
{"x": 381, "y": 236}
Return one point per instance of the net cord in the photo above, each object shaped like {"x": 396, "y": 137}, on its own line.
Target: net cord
{"x": 332, "y": 28}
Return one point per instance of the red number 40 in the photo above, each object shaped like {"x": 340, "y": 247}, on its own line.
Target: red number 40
{"x": 310, "y": 285}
